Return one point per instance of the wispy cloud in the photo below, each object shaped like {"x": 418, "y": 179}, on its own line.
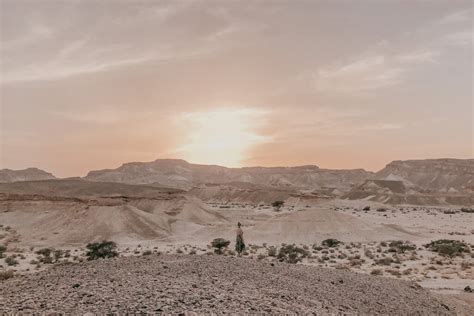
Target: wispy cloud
{"x": 49, "y": 52}
{"x": 459, "y": 16}
{"x": 372, "y": 72}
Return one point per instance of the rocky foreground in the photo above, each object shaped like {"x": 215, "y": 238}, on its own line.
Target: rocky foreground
{"x": 211, "y": 283}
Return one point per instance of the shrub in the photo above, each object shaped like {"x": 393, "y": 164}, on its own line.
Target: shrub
{"x": 401, "y": 246}
{"x": 467, "y": 210}
{"x": 45, "y": 255}
{"x": 291, "y": 254}
{"x": 376, "y": 272}
{"x": 278, "y": 204}
{"x": 384, "y": 261}
{"x": 146, "y": 253}
{"x": 11, "y": 261}
{"x": 367, "y": 208}
{"x": 447, "y": 247}
{"x": 272, "y": 251}
{"x": 219, "y": 243}
{"x": 331, "y": 242}
{"x": 2, "y": 251}
{"x": 382, "y": 209}
{"x": 4, "y": 275}
{"x": 104, "y": 249}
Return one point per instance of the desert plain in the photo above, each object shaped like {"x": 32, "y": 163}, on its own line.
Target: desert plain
{"x": 399, "y": 241}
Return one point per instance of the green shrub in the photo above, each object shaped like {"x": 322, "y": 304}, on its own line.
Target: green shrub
{"x": 218, "y": 244}
{"x": 331, "y": 242}
{"x": 104, "y": 249}
{"x": 448, "y": 247}
{"x": 291, "y": 254}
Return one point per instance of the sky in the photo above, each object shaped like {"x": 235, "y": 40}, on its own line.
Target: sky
{"x": 92, "y": 84}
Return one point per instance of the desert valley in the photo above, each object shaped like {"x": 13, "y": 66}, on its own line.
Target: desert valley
{"x": 412, "y": 221}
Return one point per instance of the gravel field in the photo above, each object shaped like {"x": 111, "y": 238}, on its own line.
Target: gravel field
{"x": 211, "y": 283}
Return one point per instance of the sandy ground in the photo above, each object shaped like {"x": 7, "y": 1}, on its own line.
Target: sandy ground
{"x": 186, "y": 226}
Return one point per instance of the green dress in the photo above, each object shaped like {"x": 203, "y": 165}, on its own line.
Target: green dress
{"x": 239, "y": 244}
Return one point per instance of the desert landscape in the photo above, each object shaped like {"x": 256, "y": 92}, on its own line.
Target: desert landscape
{"x": 202, "y": 157}
{"x": 348, "y": 226}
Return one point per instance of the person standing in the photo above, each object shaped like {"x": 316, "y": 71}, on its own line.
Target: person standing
{"x": 239, "y": 242}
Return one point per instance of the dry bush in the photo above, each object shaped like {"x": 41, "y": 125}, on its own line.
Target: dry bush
{"x": 8, "y": 274}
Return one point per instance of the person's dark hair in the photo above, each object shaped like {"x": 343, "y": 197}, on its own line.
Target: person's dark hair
{"x": 238, "y": 224}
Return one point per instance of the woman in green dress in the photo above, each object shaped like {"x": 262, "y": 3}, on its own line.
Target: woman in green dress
{"x": 239, "y": 243}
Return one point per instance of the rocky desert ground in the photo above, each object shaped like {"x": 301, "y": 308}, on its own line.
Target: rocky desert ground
{"x": 399, "y": 241}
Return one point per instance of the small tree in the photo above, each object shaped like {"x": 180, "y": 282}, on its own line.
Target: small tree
{"x": 105, "y": 249}
{"x": 278, "y": 204}
{"x": 219, "y": 243}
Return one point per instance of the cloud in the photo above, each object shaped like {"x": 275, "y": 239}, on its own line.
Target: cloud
{"x": 49, "y": 50}
{"x": 456, "y": 17}
{"x": 366, "y": 74}
{"x": 372, "y": 72}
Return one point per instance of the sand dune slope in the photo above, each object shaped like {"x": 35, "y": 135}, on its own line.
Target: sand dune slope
{"x": 318, "y": 224}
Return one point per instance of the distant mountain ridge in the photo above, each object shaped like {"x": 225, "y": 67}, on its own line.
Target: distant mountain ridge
{"x": 181, "y": 174}
{"x": 29, "y": 174}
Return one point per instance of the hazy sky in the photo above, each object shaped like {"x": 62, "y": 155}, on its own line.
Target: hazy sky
{"x": 340, "y": 84}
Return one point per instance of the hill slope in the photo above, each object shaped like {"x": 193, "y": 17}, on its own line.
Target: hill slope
{"x": 218, "y": 284}
{"x": 30, "y": 174}
{"x": 434, "y": 175}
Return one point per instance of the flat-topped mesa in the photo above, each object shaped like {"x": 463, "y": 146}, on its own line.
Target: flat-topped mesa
{"x": 181, "y": 174}
{"x": 437, "y": 175}
{"x": 29, "y": 174}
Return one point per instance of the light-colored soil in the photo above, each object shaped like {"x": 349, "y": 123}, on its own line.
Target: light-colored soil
{"x": 178, "y": 283}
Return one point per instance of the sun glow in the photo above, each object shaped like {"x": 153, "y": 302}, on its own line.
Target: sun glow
{"x": 221, "y": 137}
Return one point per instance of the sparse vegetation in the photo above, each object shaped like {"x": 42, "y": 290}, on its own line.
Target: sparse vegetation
{"x": 272, "y": 251}
{"x": 447, "y": 247}
{"x": 8, "y": 274}
{"x": 104, "y": 249}
{"x": 331, "y": 242}
{"x": 376, "y": 272}
{"x": 401, "y": 246}
{"x": 277, "y": 205}
{"x": 291, "y": 254}
{"x": 218, "y": 244}
{"x": 11, "y": 261}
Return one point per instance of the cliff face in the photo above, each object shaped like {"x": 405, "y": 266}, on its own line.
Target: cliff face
{"x": 181, "y": 174}
{"x": 435, "y": 175}
{"x": 30, "y": 174}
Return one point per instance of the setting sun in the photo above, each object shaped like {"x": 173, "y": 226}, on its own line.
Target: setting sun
{"x": 221, "y": 137}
